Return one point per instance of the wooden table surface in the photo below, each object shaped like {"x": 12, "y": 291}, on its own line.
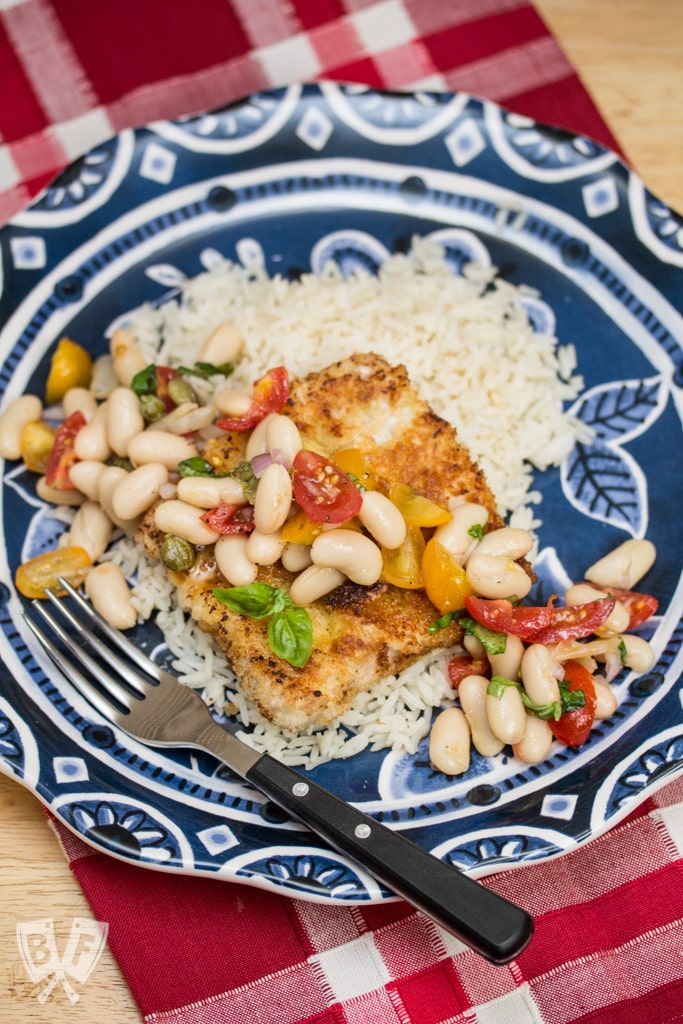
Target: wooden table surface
{"x": 630, "y": 56}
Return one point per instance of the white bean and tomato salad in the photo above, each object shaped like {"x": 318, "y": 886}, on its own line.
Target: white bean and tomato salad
{"x": 121, "y": 437}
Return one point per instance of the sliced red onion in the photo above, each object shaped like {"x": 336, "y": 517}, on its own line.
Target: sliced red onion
{"x": 260, "y": 463}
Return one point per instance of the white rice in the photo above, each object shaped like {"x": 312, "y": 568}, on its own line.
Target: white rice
{"x": 472, "y": 354}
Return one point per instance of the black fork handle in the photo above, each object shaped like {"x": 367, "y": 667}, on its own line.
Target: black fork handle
{"x": 483, "y": 920}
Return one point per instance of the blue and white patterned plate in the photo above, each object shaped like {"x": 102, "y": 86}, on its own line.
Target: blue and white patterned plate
{"x": 294, "y": 177}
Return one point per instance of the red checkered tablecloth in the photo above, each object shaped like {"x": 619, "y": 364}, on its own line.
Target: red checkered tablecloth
{"x": 608, "y": 947}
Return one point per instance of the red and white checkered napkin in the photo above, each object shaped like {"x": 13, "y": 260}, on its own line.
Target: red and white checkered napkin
{"x": 73, "y": 74}
{"x": 608, "y": 947}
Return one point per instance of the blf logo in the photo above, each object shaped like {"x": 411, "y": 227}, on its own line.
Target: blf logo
{"x": 38, "y": 947}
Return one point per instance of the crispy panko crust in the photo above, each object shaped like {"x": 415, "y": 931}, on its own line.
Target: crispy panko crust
{"x": 360, "y": 634}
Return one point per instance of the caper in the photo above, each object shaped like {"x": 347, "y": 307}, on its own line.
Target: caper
{"x": 180, "y": 391}
{"x": 245, "y": 472}
{"x": 152, "y": 407}
{"x": 122, "y": 462}
{"x": 177, "y": 554}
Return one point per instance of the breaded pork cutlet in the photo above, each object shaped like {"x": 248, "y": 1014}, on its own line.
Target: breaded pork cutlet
{"x": 360, "y": 634}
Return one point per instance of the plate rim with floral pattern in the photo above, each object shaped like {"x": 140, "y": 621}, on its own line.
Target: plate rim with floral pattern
{"x": 359, "y": 172}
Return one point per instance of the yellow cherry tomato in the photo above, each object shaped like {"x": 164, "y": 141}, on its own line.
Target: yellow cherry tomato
{"x": 299, "y": 529}
{"x": 416, "y": 509}
{"x": 445, "y": 579}
{"x": 402, "y": 566}
{"x": 71, "y": 367}
{"x": 39, "y": 574}
{"x": 35, "y": 444}
{"x": 352, "y": 462}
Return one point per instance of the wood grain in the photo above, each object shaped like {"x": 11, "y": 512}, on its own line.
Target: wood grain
{"x": 629, "y": 54}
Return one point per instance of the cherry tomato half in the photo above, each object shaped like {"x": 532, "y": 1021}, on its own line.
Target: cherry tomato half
{"x": 323, "y": 490}
{"x": 402, "y": 566}
{"x": 269, "y": 395}
{"x": 40, "y": 574}
{"x": 639, "y": 606}
{"x": 62, "y": 455}
{"x": 444, "y": 578}
{"x": 416, "y": 509}
{"x": 573, "y": 727}
{"x": 230, "y": 519}
{"x": 464, "y": 665}
{"x": 544, "y": 625}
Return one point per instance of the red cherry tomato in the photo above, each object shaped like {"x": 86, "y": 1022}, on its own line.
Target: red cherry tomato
{"x": 545, "y": 625}
{"x": 62, "y": 455}
{"x": 228, "y": 519}
{"x": 323, "y": 490}
{"x": 573, "y": 727}
{"x": 463, "y": 665}
{"x": 270, "y": 394}
{"x": 639, "y": 606}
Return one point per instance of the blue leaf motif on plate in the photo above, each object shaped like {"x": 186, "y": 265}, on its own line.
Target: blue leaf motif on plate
{"x": 600, "y": 477}
{"x": 623, "y": 409}
{"x": 607, "y": 484}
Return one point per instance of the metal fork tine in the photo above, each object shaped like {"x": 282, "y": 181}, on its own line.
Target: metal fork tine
{"x": 137, "y": 656}
{"x": 112, "y": 685}
{"x": 88, "y": 637}
{"x": 82, "y": 684}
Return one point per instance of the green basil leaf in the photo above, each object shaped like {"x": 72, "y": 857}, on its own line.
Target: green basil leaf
{"x": 206, "y": 370}
{"x": 571, "y": 699}
{"x": 257, "y": 600}
{"x": 498, "y": 685}
{"x": 290, "y": 634}
{"x": 476, "y": 531}
{"x": 442, "y": 623}
{"x": 196, "y": 466}
{"x": 492, "y": 642}
{"x": 145, "y": 381}
{"x": 623, "y": 653}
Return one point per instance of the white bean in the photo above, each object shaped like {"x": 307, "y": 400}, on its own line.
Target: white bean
{"x": 296, "y": 557}
{"x": 127, "y": 359}
{"x": 183, "y": 520}
{"x": 231, "y": 558}
{"x": 108, "y": 590}
{"x": 14, "y": 418}
{"x": 536, "y": 742}
{"x": 211, "y": 491}
{"x": 449, "y": 742}
{"x": 583, "y": 593}
{"x": 139, "y": 490}
{"x": 257, "y": 444}
{"x": 282, "y": 434}
{"x": 79, "y": 400}
{"x": 472, "y": 694}
{"x": 314, "y": 582}
{"x": 455, "y": 536}
{"x": 352, "y": 553}
{"x": 509, "y": 663}
{"x": 92, "y": 441}
{"x": 508, "y": 540}
{"x": 497, "y": 576}
{"x": 507, "y": 715}
{"x": 109, "y": 480}
{"x": 624, "y": 566}
{"x": 640, "y": 655}
{"x": 124, "y": 419}
{"x": 541, "y": 673}
{"x": 185, "y": 419}
{"x": 264, "y": 548}
{"x": 232, "y": 402}
{"x": 605, "y": 699}
{"x": 474, "y": 647}
{"x": 382, "y": 519}
{"x": 223, "y": 345}
{"x": 57, "y": 496}
{"x": 103, "y": 380}
{"x": 91, "y": 529}
{"x": 160, "y": 446}
{"x": 85, "y": 476}
{"x": 273, "y": 498}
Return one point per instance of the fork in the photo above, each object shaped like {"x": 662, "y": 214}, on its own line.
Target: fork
{"x": 153, "y": 706}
